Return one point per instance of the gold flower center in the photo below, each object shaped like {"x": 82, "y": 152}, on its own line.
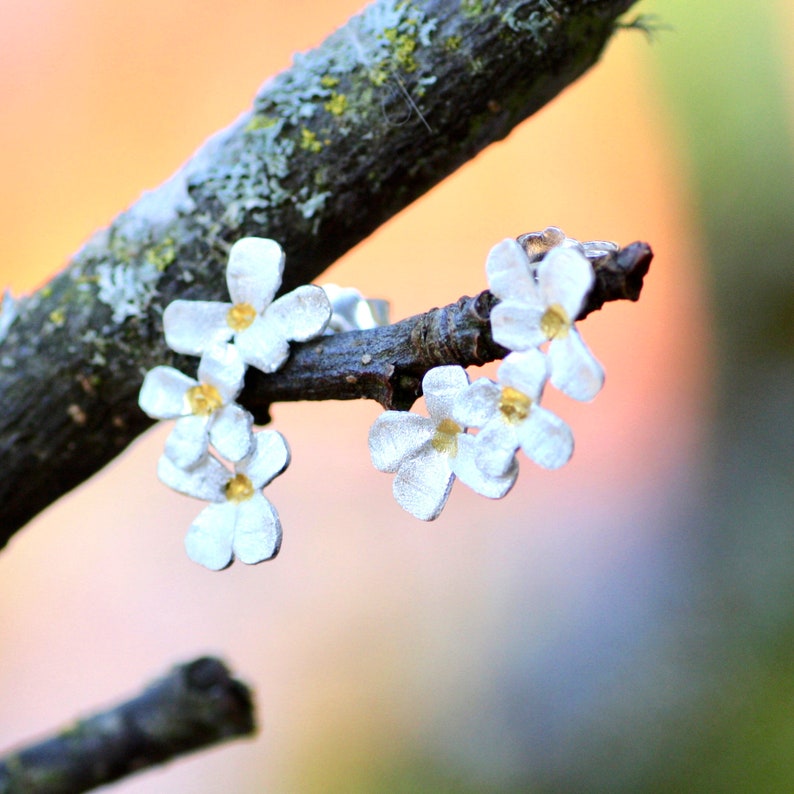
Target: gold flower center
{"x": 445, "y": 439}
{"x": 514, "y": 405}
{"x": 555, "y": 322}
{"x": 239, "y": 488}
{"x": 240, "y": 316}
{"x": 204, "y": 399}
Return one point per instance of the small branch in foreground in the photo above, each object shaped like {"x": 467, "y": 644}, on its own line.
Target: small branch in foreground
{"x": 387, "y": 364}
{"x": 195, "y": 705}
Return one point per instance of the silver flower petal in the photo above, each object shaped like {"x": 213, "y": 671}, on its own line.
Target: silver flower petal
{"x": 301, "y": 314}
{"x": 257, "y": 530}
{"x": 209, "y": 539}
{"x": 162, "y": 394}
{"x": 478, "y": 404}
{"x": 253, "y": 275}
{"x": 574, "y": 369}
{"x": 441, "y": 386}
{"x": 526, "y": 371}
{"x": 466, "y": 469}
{"x": 263, "y": 344}
{"x": 191, "y": 327}
{"x": 496, "y": 446}
{"x": 515, "y": 324}
{"x": 230, "y": 432}
{"x": 206, "y": 480}
{"x": 396, "y": 434}
{"x": 565, "y": 277}
{"x": 545, "y": 438}
{"x": 187, "y": 442}
{"x": 269, "y": 457}
{"x": 423, "y": 482}
{"x": 222, "y": 367}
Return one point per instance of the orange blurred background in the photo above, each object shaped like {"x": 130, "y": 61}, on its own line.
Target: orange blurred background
{"x": 372, "y": 634}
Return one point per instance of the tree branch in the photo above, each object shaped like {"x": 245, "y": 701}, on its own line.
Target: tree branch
{"x": 382, "y": 111}
{"x": 195, "y": 705}
{"x": 387, "y": 364}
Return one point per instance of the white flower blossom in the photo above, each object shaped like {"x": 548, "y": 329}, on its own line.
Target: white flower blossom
{"x": 260, "y": 327}
{"x": 240, "y": 523}
{"x": 352, "y": 311}
{"x": 427, "y": 453}
{"x": 539, "y": 308}
{"x": 509, "y": 416}
{"x": 204, "y": 409}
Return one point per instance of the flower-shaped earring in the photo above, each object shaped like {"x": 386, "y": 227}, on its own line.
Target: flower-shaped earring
{"x": 427, "y": 453}
{"x": 509, "y": 417}
{"x": 260, "y": 327}
{"x": 204, "y": 409}
{"x": 532, "y": 312}
{"x": 240, "y": 522}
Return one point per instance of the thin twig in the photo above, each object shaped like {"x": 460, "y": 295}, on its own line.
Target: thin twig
{"x": 387, "y": 364}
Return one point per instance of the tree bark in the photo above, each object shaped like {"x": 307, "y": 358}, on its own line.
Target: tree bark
{"x": 195, "y": 705}
{"x": 353, "y": 132}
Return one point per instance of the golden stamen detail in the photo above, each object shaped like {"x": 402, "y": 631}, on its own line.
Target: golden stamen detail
{"x": 445, "y": 439}
{"x": 203, "y": 399}
{"x": 555, "y": 323}
{"x": 514, "y": 405}
{"x": 239, "y": 488}
{"x": 240, "y": 316}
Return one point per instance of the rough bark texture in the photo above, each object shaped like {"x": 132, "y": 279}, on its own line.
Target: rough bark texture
{"x": 196, "y": 705}
{"x": 387, "y": 107}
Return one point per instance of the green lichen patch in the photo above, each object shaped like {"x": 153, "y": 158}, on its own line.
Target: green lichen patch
{"x": 162, "y": 254}
{"x": 337, "y": 104}
{"x": 399, "y": 32}
{"x": 309, "y": 141}
{"x": 260, "y": 121}
{"x": 403, "y": 46}
{"x": 378, "y": 76}
{"x": 472, "y": 8}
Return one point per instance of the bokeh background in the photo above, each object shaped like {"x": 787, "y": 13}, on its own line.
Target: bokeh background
{"x": 624, "y": 624}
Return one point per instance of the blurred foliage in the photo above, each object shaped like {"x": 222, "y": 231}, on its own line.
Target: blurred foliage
{"x": 725, "y": 83}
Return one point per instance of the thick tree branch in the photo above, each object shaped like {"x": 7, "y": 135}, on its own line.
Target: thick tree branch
{"x": 195, "y": 705}
{"x": 387, "y": 107}
{"x": 387, "y": 364}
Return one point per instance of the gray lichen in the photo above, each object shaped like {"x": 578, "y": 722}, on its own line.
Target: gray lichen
{"x": 8, "y": 313}
{"x": 127, "y": 288}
